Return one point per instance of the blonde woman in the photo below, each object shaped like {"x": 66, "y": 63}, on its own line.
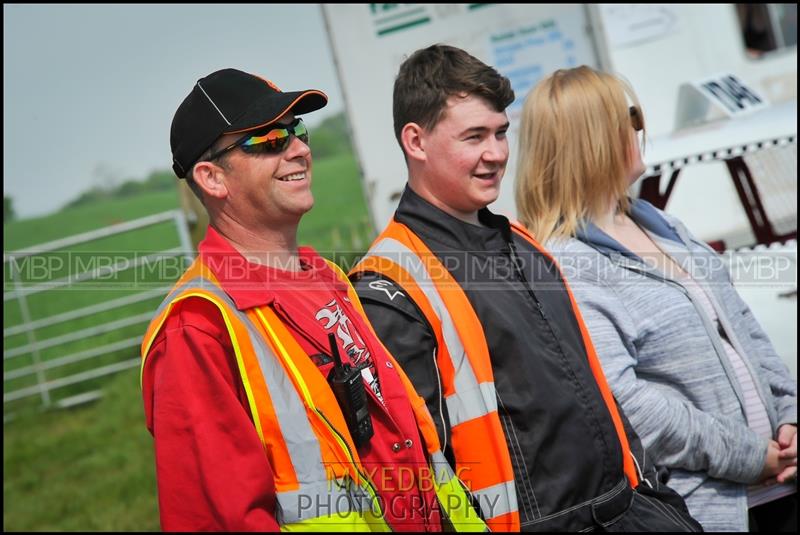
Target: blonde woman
{"x": 694, "y": 372}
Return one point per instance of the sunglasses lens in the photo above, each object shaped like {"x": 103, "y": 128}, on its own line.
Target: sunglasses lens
{"x": 272, "y": 142}
{"x": 276, "y": 140}
{"x": 636, "y": 118}
{"x": 300, "y": 131}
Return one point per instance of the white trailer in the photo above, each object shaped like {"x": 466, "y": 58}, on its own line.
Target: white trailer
{"x": 720, "y": 116}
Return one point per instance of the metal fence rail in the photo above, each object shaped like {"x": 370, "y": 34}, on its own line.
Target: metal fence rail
{"x": 49, "y": 354}
{"x": 86, "y": 311}
{"x": 29, "y": 327}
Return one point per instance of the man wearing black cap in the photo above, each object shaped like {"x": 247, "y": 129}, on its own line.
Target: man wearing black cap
{"x": 271, "y": 403}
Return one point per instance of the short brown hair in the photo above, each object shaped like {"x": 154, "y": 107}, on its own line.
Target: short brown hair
{"x": 431, "y": 75}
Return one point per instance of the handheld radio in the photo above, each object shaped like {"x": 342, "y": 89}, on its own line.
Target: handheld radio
{"x": 348, "y": 386}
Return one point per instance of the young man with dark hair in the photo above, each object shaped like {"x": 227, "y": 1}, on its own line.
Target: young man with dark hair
{"x": 481, "y": 320}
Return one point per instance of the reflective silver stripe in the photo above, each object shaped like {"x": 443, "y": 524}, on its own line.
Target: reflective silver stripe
{"x": 470, "y": 400}
{"x": 465, "y": 380}
{"x": 301, "y": 442}
{"x": 323, "y": 498}
{"x": 197, "y": 282}
{"x": 317, "y": 496}
{"x": 463, "y": 406}
{"x": 497, "y": 500}
{"x": 442, "y": 472}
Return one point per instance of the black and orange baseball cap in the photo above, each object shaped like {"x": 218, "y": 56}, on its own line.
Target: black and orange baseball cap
{"x": 227, "y": 102}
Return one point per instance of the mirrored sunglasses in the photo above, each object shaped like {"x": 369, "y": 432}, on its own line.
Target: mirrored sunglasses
{"x": 271, "y": 141}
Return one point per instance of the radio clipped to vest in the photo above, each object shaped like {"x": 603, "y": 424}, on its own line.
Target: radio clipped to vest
{"x": 348, "y": 386}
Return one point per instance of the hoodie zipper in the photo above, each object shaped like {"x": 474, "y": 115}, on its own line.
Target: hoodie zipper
{"x": 706, "y": 322}
{"x": 731, "y": 335}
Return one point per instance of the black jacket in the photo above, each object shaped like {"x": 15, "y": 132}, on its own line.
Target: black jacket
{"x": 562, "y": 441}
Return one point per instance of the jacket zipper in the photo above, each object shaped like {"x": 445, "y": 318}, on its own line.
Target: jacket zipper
{"x": 518, "y": 270}
{"x": 346, "y": 448}
{"x": 529, "y": 289}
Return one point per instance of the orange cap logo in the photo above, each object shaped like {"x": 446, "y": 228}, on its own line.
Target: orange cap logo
{"x": 273, "y": 86}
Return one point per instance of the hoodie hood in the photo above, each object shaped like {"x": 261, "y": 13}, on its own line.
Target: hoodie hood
{"x": 645, "y": 215}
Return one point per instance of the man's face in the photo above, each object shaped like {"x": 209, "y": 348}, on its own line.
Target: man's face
{"x": 270, "y": 189}
{"x": 465, "y": 157}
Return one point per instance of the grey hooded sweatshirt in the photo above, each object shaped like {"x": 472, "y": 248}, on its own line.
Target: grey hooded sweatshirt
{"x": 665, "y": 362}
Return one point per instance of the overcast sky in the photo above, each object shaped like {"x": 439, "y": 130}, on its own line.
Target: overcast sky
{"x": 89, "y": 91}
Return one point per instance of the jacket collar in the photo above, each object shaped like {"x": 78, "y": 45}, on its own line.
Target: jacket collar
{"x": 253, "y": 285}
{"x": 439, "y": 227}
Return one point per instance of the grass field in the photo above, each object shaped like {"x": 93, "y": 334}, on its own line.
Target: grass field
{"x": 339, "y": 201}
{"x": 91, "y": 467}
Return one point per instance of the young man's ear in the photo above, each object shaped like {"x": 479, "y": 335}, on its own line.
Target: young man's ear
{"x": 210, "y": 177}
{"x": 412, "y": 136}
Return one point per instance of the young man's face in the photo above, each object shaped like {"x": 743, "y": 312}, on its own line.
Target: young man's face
{"x": 465, "y": 157}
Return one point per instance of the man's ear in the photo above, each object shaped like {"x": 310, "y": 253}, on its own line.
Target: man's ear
{"x": 412, "y": 137}
{"x": 210, "y": 177}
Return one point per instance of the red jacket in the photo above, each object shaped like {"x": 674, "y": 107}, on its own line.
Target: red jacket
{"x": 211, "y": 468}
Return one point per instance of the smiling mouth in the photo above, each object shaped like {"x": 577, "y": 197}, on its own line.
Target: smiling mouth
{"x": 294, "y": 177}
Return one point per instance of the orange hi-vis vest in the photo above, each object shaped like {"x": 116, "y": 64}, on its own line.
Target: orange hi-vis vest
{"x": 319, "y": 479}
{"x": 482, "y": 458}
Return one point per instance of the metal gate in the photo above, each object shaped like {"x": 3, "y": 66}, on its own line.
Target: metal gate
{"x": 40, "y": 364}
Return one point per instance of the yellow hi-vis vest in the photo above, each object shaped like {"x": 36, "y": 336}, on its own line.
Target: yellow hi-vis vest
{"x": 479, "y": 446}
{"x": 320, "y": 482}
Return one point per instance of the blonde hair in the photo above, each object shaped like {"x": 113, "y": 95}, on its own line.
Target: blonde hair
{"x": 574, "y": 150}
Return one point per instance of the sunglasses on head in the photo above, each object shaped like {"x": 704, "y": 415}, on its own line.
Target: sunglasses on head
{"x": 636, "y": 118}
{"x": 268, "y": 141}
